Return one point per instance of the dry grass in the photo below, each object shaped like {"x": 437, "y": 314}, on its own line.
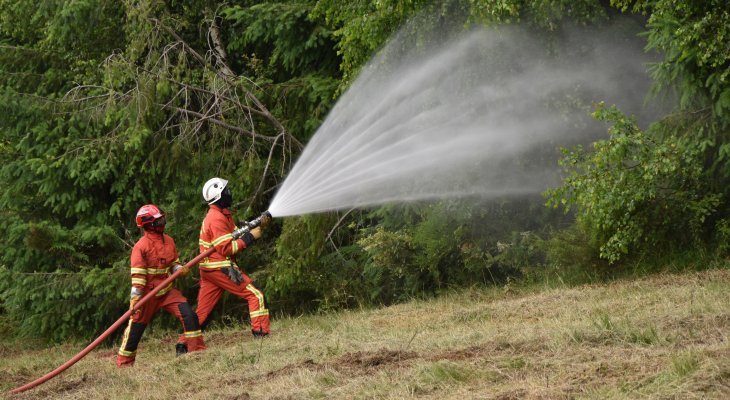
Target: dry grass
{"x": 661, "y": 337}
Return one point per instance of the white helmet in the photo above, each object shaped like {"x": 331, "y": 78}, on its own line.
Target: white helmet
{"x": 213, "y": 188}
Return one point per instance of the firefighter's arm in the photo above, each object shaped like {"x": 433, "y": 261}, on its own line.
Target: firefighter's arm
{"x": 224, "y": 243}
{"x": 139, "y": 276}
{"x": 177, "y": 264}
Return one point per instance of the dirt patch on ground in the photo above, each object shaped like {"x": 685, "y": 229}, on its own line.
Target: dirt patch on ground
{"x": 351, "y": 364}
{"x": 491, "y": 349}
{"x": 462, "y": 354}
{"x": 288, "y": 369}
{"x": 364, "y": 362}
{"x": 368, "y": 359}
{"x": 61, "y": 388}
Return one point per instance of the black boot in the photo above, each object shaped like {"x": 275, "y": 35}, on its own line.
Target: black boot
{"x": 180, "y": 349}
{"x": 259, "y": 333}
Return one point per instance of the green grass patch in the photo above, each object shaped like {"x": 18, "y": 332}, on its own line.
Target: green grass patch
{"x": 444, "y": 373}
{"x": 606, "y": 329}
{"x": 685, "y": 364}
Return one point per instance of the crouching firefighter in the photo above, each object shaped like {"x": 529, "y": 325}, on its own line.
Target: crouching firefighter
{"x": 220, "y": 272}
{"x": 154, "y": 258}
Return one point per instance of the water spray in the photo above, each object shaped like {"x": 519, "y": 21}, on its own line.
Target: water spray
{"x": 479, "y": 115}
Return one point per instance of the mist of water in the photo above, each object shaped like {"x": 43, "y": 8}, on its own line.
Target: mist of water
{"x": 482, "y": 114}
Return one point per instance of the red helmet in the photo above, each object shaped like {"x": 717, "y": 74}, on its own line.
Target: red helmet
{"x": 150, "y": 214}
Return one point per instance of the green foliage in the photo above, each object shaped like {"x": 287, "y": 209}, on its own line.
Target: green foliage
{"x": 723, "y": 237}
{"x": 393, "y": 254}
{"x": 296, "y": 276}
{"x": 693, "y": 37}
{"x": 363, "y": 27}
{"x": 644, "y": 192}
{"x": 636, "y": 189}
{"x": 60, "y": 304}
{"x": 284, "y": 35}
{"x": 543, "y": 14}
{"x": 574, "y": 248}
{"x": 99, "y": 99}
{"x": 391, "y": 271}
{"x": 290, "y": 53}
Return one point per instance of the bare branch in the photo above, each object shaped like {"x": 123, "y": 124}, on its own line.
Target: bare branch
{"x": 266, "y": 168}
{"x": 337, "y": 224}
{"x": 214, "y": 34}
{"x": 228, "y": 76}
{"x": 219, "y": 123}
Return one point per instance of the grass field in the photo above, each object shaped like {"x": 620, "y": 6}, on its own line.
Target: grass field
{"x": 664, "y": 337}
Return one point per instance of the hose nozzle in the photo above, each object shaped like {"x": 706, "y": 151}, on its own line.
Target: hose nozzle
{"x": 262, "y": 220}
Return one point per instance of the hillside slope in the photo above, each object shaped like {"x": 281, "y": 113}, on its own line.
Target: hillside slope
{"x": 665, "y": 336}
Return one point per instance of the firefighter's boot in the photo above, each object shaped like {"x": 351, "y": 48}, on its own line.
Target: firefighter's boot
{"x": 180, "y": 349}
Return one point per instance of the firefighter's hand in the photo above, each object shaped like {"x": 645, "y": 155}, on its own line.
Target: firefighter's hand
{"x": 185, "y": 270}
{"x": 133, "y": 301}
{"x": 256, "y": 233}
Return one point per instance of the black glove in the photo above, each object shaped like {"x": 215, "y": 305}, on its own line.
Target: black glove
{"x": 244, "y": 234}
{"x": 234, "y": 274}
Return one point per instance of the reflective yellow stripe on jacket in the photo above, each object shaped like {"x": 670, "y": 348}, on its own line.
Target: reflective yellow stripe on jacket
{"x": 217, "y": 264}
{"x": 139, "y": 281}
{"x": 149, "y": 271}
{"x": 145, "y": 271}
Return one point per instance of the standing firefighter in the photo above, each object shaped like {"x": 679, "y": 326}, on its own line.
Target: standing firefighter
{"x": 220, "y": 271}
{"x": 154, "y": 258}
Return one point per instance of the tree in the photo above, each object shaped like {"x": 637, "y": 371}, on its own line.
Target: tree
{"x": 103, "y": 117}
{"x": 636, "y": 190}
{"x": 668, "y": 186}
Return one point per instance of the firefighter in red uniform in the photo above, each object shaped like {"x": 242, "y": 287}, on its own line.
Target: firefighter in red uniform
{"x": 154, "y": 258}
{"x": 219, "y": 271}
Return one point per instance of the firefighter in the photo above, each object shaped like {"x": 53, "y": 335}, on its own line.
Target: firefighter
{"x": 154, "y": 258}
{"x": 220, "y": 271}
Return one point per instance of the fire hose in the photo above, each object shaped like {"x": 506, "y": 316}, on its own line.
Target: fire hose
{"x": 260, "y": 221}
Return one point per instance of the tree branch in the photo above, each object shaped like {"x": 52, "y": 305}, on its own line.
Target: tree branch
{"x": 219, "y": 123}
{"x": 228, "y": 76}
{"x": 214, "y": 34}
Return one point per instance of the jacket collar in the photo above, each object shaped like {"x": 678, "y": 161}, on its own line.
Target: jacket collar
{"x": 223, "y": 211}
{"x": 152, "y": 235}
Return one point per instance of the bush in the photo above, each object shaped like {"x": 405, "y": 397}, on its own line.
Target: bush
{"x": 636, "y": 190}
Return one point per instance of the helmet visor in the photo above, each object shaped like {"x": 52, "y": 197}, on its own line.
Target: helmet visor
{"x": 159, "y": 222}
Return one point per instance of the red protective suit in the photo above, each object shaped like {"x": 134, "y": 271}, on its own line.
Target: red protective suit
{"x": 216, "y": 231}
{"x": 152, "y": 257}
